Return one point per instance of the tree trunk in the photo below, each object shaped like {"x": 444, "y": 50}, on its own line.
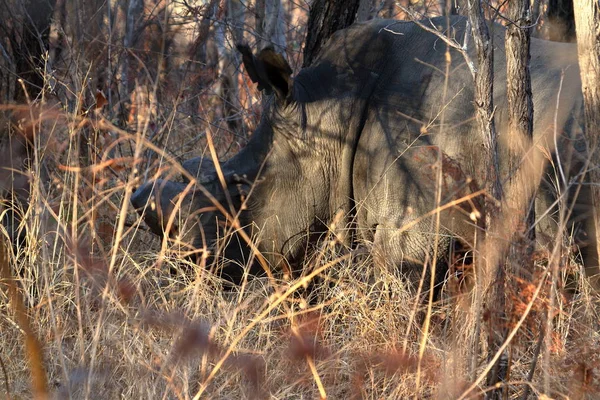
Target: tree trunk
{"x": 388, "y": 8}
{"x": 28, "y": 38}
{"x": 199, "y": 70}
{"x": 484, "y": 89}
{"x": 134, "y": 15}
{"x": 228, "y": 33}
{"x": 448, "y": 7}
{"x": 561, "y": 19}
{"x": 364, "y": 10}
{"x": 259, "y": 19}
{"x": 326, "y": 17}
{"x": 270, "y": 25}
{"x": 522, "y": 174}
{"x": 490, "y": 281}
{"x": 587, "y": 22}
{"x": 455, "y": 7}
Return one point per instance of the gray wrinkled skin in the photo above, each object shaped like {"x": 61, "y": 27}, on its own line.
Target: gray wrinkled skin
{"x": 359, "y": 132}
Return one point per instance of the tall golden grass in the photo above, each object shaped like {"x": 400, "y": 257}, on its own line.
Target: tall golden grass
{"x": 97, "y": 307}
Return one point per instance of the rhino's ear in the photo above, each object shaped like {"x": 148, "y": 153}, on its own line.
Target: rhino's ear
{"x": 278, "y": 72}
{"x": 269, "y": 69}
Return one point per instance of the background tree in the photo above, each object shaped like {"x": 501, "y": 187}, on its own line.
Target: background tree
{"x": 487, "y": 265}
{"x": 135, "y": 11}
{"x": 270, "y": 24}
{"x": 365, "y": 9}
{"x": 27, "y": 41}
{"x": 521, "y": 182}
{"x": 520, "y": 128}
{"x": 229, "y": 31}
{"x": 561, "y": 20}
{"x": 587, "y": 22}
{"x": 324, "y": 19}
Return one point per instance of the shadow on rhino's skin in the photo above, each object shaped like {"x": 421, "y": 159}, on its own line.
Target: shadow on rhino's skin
{"x": 358, "y": 133}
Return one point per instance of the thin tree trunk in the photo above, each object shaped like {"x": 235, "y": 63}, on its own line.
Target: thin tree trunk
{"x": 230, "y": 32}
{"x": 454, "y": 7}
{"x": 364, "y": 10}
{"x": 388, "y": 8}
{"x": 29, "y": 42}
{"x": 484, "y": 89}
{"x": 520, "y": 123}
{"x": 134, "y": 15}
{"x": 274, "y": 31}
{"x": 270, "y": 29}
{"x": 487, "y": 261}
{"x": 561, "y": 18}
{"x": 259, "y": 20}
{"x": 84, "y": 22}
{"x": 522, "y": 173}
{"x": 587, "y": 23}
{"x": 326, "y": 17}
{"x": 197, "y": 67}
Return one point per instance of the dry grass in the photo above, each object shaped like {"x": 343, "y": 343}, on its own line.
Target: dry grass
{"x": 116, "y": 315}
{"x": 116, "y": 318}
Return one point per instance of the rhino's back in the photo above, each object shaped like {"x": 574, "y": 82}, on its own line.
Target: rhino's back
{"x": 408, "y": 66}
{"x": 399, "y": 71}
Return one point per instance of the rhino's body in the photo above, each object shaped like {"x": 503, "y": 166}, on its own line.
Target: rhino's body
{"x": 360, "y": 132}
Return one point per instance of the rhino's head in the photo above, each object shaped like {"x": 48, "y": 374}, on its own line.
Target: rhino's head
{"x": 156, "y": 202}
{"x": 164, "y": 205}
{"x": 270, "y": 163}
{"x": 197, "y": 217}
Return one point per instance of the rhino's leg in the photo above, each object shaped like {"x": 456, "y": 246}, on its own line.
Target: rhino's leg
{"x": 581, "y": 222}
{"x": 412, "y": 252}
{"x": 546, "y": 216}
{"x": 584, "y": 214}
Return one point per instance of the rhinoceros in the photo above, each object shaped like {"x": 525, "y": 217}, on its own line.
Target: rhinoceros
{"x": 360, "y": 132}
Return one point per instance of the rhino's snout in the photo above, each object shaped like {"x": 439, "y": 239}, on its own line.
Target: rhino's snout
{"x": 141, "y": 196}
{"x": 154, "y": 201}
{"x": 144, "y": 202}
